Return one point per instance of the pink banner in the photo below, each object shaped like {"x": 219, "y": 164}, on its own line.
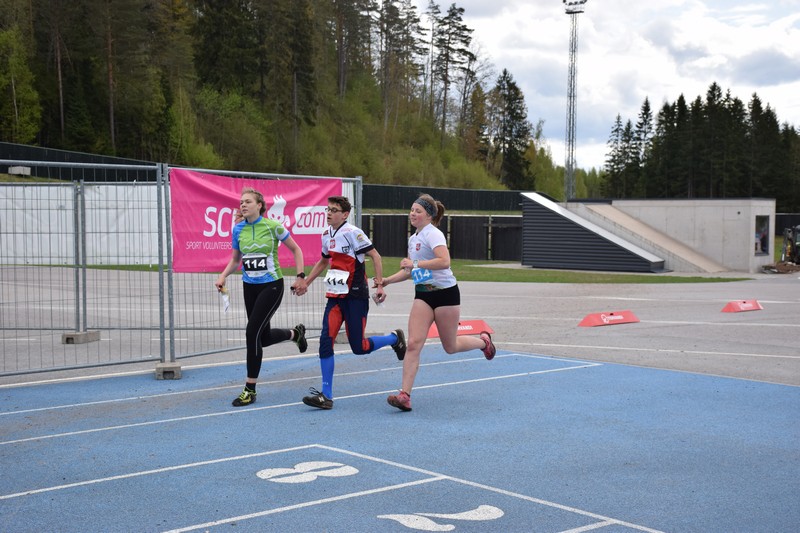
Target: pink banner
{"x": 202, "y": 216}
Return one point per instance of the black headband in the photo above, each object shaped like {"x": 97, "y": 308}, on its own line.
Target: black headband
{"x": 427, "y": 206}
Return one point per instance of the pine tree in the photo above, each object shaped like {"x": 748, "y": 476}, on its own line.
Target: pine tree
{"x": 733, "y": 150}
{"x": 765, "y": 153}
{"x": 630, "y": 162}
{"x": 19, "y": 102}
{"x": 513, "y": 134}
{"x": 475, "y": 141}
{"x": 226, "y": 43}
{"x": 615, "y": 163}
{"x": 351, "y": 36}
{"x": 452, "y": 39}
{"x": 643, "y": 142}
{"x": 433, "y": 14}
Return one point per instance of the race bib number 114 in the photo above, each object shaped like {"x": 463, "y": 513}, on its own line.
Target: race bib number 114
{"x": 336, "y": 281}
{"x": 421, "y": 275}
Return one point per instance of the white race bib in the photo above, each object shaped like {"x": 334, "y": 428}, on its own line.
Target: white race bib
{"x": 336, "y": 282}
{"x": 255, "y": 265}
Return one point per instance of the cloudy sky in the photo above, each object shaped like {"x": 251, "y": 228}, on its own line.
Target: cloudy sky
{"x": 629, "y": 50}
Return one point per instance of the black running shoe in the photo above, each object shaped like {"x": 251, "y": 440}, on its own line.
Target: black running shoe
{"x": 245, "y": 398}
{"x": 317, "y": 399}
{"x": 300, "y": 337}
{"x": 400, "y": 346}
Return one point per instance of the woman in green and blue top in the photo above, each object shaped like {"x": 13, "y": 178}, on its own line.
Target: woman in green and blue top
{"x": 255, "y": 246}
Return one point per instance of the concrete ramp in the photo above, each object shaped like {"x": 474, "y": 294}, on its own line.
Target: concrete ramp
{"x": 555, "y": 237}
{"x": 677, "y": 256}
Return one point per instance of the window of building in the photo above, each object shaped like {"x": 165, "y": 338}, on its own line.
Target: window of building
{"x": 762, "y": 235}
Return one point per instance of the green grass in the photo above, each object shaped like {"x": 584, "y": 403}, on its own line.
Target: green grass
{"x": 469, "y": 270}
{"x": 778, "y": 248}
{"x": 8, "y": 178}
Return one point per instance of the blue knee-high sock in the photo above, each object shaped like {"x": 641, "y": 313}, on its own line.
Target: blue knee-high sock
{"x": 383, "y": 340}
{"x": 326, "y": 365}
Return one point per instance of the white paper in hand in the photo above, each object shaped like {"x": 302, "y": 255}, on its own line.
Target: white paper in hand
{"x": 226, "y": 301}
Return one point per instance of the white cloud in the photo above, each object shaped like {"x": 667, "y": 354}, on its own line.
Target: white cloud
{"x": 631, "y": 50}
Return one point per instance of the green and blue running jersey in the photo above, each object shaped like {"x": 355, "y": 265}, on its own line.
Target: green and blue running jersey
{"x": 258, "y": 243}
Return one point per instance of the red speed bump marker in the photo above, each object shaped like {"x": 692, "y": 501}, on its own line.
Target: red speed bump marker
{"x": 738, "y": 306}
{"x": 608, "y": 319}
{"x": 465, "y": 327}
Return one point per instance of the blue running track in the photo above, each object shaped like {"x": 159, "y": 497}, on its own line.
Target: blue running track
{"x": 522, "y": 443}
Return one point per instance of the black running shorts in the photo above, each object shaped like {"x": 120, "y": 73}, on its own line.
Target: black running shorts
{"x": 440, "y": 298}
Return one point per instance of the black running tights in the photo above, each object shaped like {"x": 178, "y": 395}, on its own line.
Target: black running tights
{"x": 261, "y": 301}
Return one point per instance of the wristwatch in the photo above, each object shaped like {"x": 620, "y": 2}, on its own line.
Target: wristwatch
{"x": 302, "y": 275}
{"x": 415, "y": 263}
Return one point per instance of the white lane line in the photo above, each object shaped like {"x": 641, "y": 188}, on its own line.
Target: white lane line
{"x": 467, "y": 381}
{"x": 521, "y": 374}
{"x": 265, "y": 383}
{"x": 709, "y": 301}
{"x": 150, "y": 472}
{"x": 144, "y": 372}
{"x": 737, "y": 324}
{"x": 576, "y": 320}
{"x": 305, "y": 504}
{"x": 490, "y": 488}
{"x": 650, "y": 350}
{"x": 279, "y": 406}
{"x": 433, "y": 476}
{"x": 591, "y": 527}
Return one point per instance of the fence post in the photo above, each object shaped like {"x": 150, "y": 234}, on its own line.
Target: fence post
{"x": 83, "y": 248}
{"x": 82, "y": 334}
{"x": 76, "y": 188}
{"x": 489, "y": 252}
{"x": 165, "y": 369}
{"x": 163, "y": 176}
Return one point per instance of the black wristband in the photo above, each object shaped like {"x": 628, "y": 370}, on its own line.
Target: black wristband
{"x": 302, "y": 275}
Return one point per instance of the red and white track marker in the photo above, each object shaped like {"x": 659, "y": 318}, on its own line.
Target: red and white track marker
{"x": 465, "y": 327}
{"x": 737, "y": 306}
{"x": 608, "y": 319}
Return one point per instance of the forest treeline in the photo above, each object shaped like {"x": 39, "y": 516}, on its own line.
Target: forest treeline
{"x": 713, "y": 147}
{"x": 343, "y": 87}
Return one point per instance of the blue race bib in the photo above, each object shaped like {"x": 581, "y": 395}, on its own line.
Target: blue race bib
{"x": 421, "y": 275}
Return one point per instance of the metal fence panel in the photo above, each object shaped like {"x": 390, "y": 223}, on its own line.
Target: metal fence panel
{"x": 81, "y": 261}
{"x": 54, "y": 289}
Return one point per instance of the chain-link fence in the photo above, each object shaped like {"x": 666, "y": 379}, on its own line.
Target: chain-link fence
{"x": 86, "y": 274}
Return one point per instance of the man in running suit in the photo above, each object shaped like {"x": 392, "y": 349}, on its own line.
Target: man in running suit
{"x": 344, "y": 248}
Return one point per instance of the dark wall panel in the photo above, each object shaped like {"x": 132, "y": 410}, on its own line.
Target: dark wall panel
{"x": 389, "y": 233}
{"x": 550, "y": 240}
{"x": 401, "y": 197}
{"x": 786, "y": 220}
{"x": 468, "y": 236}
{"x": 506, "y": 238}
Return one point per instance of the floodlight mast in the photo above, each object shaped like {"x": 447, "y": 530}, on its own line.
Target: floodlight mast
{"x": 573, "y": 8}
